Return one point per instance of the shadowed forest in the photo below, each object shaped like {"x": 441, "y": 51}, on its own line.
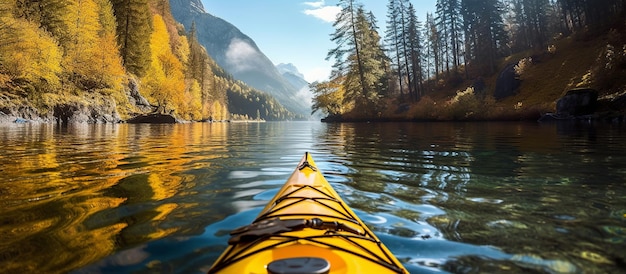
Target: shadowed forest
{"x": 447, "y": 66}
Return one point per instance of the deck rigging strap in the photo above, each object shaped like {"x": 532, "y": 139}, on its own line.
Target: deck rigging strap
{"x": 235, "y": 256}
{"x": 277, "y": 226}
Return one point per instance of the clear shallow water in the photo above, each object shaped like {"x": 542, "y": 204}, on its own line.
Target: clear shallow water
{"x": 444, "y": 197}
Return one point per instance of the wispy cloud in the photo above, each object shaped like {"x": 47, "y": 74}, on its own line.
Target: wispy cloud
{"x": 304, "y": 95}
{"x": 321, "y": 11}
{"x": 317, "y": 74}
{"x": 242, "y": 56}
{"x": 315, "y": 4}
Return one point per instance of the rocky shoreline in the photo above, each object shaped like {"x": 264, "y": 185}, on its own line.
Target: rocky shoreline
{"x": 62, "y": 113}
{"x": 576, "y": 106}
{"x": 94, "y": 108}
{"x": 65, "y": 114}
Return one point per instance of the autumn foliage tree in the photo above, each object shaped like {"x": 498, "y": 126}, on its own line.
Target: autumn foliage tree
{"x": 164, "y": 80}
{"x": 106, "y": 67}
{"x": 92, "y": 58}
{"x": 29, "y": 55}
{"x": 88, "y": 51}
{"x": 328, "y": 98}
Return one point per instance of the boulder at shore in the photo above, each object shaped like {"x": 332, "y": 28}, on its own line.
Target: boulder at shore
{"x": 153, "y": 118}
{"x": 577, "y": 102}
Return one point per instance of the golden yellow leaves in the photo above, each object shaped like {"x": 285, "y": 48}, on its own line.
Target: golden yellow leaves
{"x": 28, "y": 52}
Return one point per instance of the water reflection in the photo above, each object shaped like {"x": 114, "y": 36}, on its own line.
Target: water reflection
{"x": 466, "y": 197}
{"x": 70, "y": 189}
{"x": 528, "y": 189}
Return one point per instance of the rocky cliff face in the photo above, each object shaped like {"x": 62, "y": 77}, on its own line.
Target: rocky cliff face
{"x": 238, "y": 54}
{"x": 91, "y": 110}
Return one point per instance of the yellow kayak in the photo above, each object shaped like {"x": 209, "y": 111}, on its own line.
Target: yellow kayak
{"x": 306, "y": 228}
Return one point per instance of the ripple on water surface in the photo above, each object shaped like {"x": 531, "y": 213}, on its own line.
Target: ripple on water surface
{"x": 444, "y": 197}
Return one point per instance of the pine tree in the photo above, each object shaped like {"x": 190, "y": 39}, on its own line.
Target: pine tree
{"x": 359, "y": 57}
{"x": 415, "y": 53}
{"x": 134, "y": 26}
{"x": 393, "y": 38}
{"x": 449, "y": 25}
{"x": 531, "y": 23}
{"x": 197, "y": 57}
{"x": 376, "y": 62}
{"x": 577, "y": 14}
{"x": 398, "y": 32}
{"x": 346, "y": 36}
{"x": 434, "y": 40}
{"x": 484, "y": 25}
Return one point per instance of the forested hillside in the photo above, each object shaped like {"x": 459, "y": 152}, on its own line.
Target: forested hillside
{"x": 446, "y": 66}
{"x": 221, "y": 38}
{"x": 107, "y": 60}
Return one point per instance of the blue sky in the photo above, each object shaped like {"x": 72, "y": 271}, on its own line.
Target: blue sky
{"x": 297, "y": 31}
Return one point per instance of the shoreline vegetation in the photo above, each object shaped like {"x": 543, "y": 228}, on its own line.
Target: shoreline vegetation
{"x": 153, "y": 118}
{"x": 476, "y": 62}
{"x": 78, "y": 67}
{"x": 93, "y": 61}
{"x": 577, "y": 59}
{"x": 576, "y": 62}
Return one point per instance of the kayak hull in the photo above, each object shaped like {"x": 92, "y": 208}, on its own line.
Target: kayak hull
{"x": 307, "y": 219}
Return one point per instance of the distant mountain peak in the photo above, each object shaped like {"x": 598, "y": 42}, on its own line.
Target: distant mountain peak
{"x": 194, "y": 6}
{"x": 289, "y": 68}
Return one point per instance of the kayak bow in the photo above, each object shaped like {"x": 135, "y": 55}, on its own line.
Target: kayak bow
{"x": 306, "y": 228}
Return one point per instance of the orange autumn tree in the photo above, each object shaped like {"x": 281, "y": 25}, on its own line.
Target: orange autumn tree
{"x": 28, "y": 53}
{"x": 164, "y": 80}
{"x": 218, "y": 111}
{"x": 330, "y": 98}
{"x": 194, "y": 98}
{"x": 57, "y": 46}
{"x": 92, "y": 59}
{"x": 80, "y": 33}
{"x": 85, "y": 51}
{"x": 107, "y": 62}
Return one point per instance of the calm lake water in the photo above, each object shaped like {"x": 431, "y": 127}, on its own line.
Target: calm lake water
{"x": 444, "y": 197}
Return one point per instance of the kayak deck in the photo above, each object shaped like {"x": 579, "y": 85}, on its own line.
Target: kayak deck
{"x": 306, "y": 221}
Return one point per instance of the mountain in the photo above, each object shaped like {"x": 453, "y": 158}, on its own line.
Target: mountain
{"x": 296, "y": 79}
{"x": 238, "y": 54}
{"x": 289, "y": 69}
